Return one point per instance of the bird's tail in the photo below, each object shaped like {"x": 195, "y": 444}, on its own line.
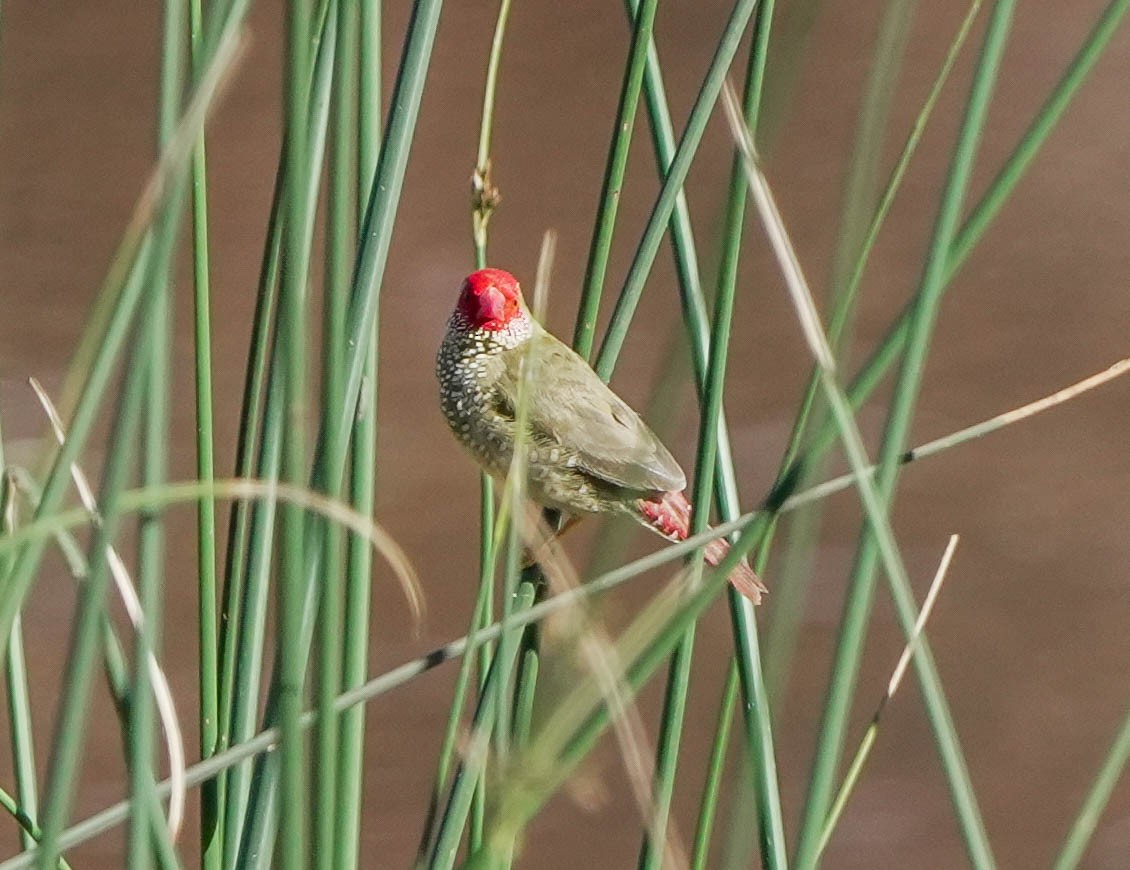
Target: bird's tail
{"x": 670, "y": 516}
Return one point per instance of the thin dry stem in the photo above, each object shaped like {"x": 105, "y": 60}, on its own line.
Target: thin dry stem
{"x": 162, "y": 693}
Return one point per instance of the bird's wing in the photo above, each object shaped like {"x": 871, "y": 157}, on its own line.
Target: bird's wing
{"x": 570, "y": 405}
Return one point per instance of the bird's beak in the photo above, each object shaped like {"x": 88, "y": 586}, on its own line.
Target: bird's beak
{"x": 492, "y": 306}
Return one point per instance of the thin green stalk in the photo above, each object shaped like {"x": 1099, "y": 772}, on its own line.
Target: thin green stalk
{"x": 210, "y": 838}
{"x": 341, "y": 236}
{"x": 28, "y": 827}
{"x": 601, "y": 244}
{"x": 291, "y": 338}
{"x": 247, "y": 464}
{"x": 362, "y": 469}
{"x": 154, "y": 459}
{"x": 524, "y": 701}
{"x": 250, "y": 636}
{"x": 351, "y": 767}
{"x": 140, "y": 737}
{"x": 484, "y": 195}
{"x": 715, "y": 768}
{"x": 673, "y": 182}
{"x": 654, "y": 850}
{"x": 1083, "y": 828}
{"x": 22, "y": 734}
{"x": 22, "y": 742}
{"x": 488, "y": 522}
{"x": 485, "y": 198}
{"x": 861, "y": 589}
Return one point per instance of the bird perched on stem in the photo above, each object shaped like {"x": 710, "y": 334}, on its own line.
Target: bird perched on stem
{"x": 587, "y": 452}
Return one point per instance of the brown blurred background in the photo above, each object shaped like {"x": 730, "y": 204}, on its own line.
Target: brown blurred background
{"x": 1030, "y": 632}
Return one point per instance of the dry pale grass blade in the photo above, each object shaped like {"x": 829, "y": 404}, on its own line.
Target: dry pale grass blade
{"x": 162, "y": 692}
{"x": 1008, "y": 418}
{"x": 782, "y": 246}
{"x": 920, "y": 624}
{"x": 331, "y": 509}
{"x": 872, "y": 733}
{"x": 243, "y": 488}
{"x": 545, "y": 268}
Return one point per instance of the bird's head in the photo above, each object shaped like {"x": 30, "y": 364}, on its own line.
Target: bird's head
{"x": 490, "y": 299}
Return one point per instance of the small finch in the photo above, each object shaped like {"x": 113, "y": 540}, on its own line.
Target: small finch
{"x": 587, "y": 451}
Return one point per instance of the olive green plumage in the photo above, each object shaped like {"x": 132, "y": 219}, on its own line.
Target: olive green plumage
{"x": 587, "y": 451}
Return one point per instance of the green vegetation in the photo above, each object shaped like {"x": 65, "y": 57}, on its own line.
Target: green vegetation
{"x": 281, "y": 783}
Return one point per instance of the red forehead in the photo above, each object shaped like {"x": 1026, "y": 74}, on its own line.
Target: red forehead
{"x": 500, "y": 279}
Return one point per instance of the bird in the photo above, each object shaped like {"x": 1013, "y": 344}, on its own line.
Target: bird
{"x": 587, "y": 451}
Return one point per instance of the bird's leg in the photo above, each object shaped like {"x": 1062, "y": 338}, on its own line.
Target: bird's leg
{"x": 557, "y": 525}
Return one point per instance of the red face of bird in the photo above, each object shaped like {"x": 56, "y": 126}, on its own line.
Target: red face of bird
{"x": 490, "y": 299}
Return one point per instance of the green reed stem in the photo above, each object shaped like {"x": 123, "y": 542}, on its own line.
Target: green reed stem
{"x": 1083, "y": 828}
{"x": 154, "y": 458}
{"x": 485, "y": 198}
{"x": 21, "y": 733}
{"x": 715, "y": 768}
{"x": 601, "y": 245}
{"x": 341, "y": 236}
{"x": 28, "y": 827}
{"x": 210, "y": 839}
{"x": 140, "y": 737}
{"x": 362, "y": 464}
{"x": 244, "y": 514}
{"x": 291, "y": 339}
{"x": 250, "y": 634}
{"x": 455, "y": 722}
